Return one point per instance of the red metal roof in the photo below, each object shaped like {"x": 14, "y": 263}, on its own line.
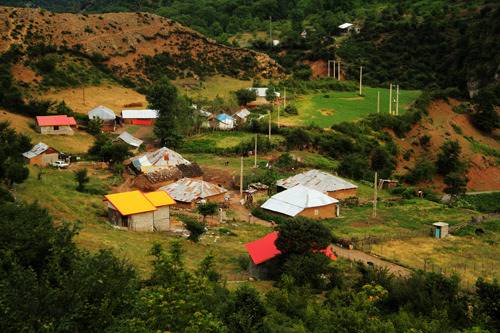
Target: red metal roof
{"x": 263, "y": 249}
{"x": 61, "y": 120}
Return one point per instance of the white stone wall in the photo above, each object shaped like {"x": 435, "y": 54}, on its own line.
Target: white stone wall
{"x": 141, "y": 222}
{"x": 162, "y": 219}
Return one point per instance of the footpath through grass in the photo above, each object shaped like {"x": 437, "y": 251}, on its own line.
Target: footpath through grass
{"x": 326, "y": 109}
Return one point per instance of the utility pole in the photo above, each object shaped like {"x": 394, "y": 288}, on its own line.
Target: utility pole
{"x": 375, "y": 189}
{"x": 255, "y": 152}
{"x": 378, "y": 101}
{"x": 334, "y": 68}
{"x": 83, "y": 94}
{"x": 328, "y": 64}
{"x": 284, "y": 99}
{"x": 390, "y": 99}
{"x": 269, "y": 112}
{"x": 241, "y": 177}
{"x": 360, "y": 80}
{"x": 338, "y": 71}
{"x": 270, "y": 30}
{"x": 397, "y": 100}
{"x": 278, "y": 116}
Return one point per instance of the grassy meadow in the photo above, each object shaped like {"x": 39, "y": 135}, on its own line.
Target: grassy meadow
{"x": 211, "y": 87}
{"x": 326, "y": 109}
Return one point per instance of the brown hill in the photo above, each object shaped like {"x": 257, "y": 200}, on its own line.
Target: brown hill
{"x": 441, "y": 124}
{"x": 133, "y": 45}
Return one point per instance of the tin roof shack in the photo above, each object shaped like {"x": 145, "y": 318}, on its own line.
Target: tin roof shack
{"x": 241, "y": 116}
{"x": 58, "y": 125}
{"x": 321, "y": 181}
{"x": 41, "y": 155}
{"x": 440, "y": 230}
{"x": 256, "y": 192}
{"x": 225, "y": 121}
{"x": 262, "y": 252}
{"x": 130, "y": 140}
{"x": 303, "y": 201}
{"x": 107, "y": 116}
{"x": 188, "y": 192}
{"x": 139, "y": 117}
{"x": 139, "y": 211}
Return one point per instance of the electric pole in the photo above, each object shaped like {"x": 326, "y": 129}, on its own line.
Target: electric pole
{"x": 375, "y": 189}
{"x": 360, "y": 80}
{"x": 83, "y": 94}
{"x": 378, "y": 101}
{"x": 397, "y": 100}
{"x": 279, "y": 116}
{"x": 334, "y": 68}
{"x": 270, "y": 30}
{"x": 390, "y": 99}
{"x": 284, "y": 99}
{"x": 269, "y": 112}
{"x": 241, "y": 177}
{"x": 338, "y": 71}
{"x": 255, "y": 153}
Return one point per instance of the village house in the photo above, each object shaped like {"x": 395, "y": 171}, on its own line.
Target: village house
{"x": 263, "y": 250}
{"x": 321, "y": 181}
{"x": 225, "y": 121}
{"x": 107, "y": 116}
{"x": 188, "y": 192}
{"x": 60, "y": 124}
{"x": 241, "y": 116}
{"x": 41, "y": 155}
{"x": 139, "y": 211}
{"x": 261, "y": 96}
{"x": 303, "y": 201}
{"x": 130, "y": 140}
{"x": 139, "y": 117}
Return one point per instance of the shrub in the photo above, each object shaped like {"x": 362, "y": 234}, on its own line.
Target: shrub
{"x": 82, "y": 178}
{"x": 484, "y": 202}
{"x": 207, "y": 209}
{"x": 245, "y": 96}
{"x": 195, "y": 228}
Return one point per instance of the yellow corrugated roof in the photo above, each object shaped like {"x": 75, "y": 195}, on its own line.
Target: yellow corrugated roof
{"x": 160, "y": 198}
{"x": 128, "y": 203}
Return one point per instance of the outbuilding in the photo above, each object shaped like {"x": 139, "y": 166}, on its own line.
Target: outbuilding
{"x": 225, "y": 121}
{"x": 187, "y": 192}
{"x": 139, "y": 211}
{"x": 321, "y": 181}
{"x": 139, "y": 117}
{"x": 130, "y": 139}
{"x": 440, "y": 229}
{"x": 107, "y": 116}
{"x": 242, "y": 115}
{"x": 41, "y": 155}
{"x": 60, "y": 124}
{"x": 303, "y": 201}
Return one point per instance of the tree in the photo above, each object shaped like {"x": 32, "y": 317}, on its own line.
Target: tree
{"x": 301, "y": 235}
{"x": 245, "y": 96}
{"x": 456, "y": 183}
{"x": 485, "y": 118}
{"x": 207, "y": 209}
{"x": 63, "y": 108}
{"x": 449, "y": 158}
{"x": 162, "y": 96}
{"x": 271, "y": 94}
{"x": 94, "y": 126}
{"x": 424, "y": 170}
{"x": 245, "y": 311}
{"x": 82, "y": 178}
{"x": 195, "y": 228}
{"x": 12, "y": 145}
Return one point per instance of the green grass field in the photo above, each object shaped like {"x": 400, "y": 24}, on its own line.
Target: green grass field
{"x": 221, "y": 139}
{"x": 212, "y": 87}
{"x": 326, "y": 109}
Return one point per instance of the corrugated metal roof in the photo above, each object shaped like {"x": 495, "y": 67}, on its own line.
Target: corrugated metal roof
{"x": 189, "y": 190}
{"x": 243, "y": 113}
{"x": 318, "y": 180}
{"x": 159, "y": 159}
{"x": 102, "y": 112}
{"x": 294, "y": 200}
{"x": 130, "y": 139}
{"x": 140, "y": 114}
{"x": 345, "y": 25}
{"x": 37, "y": 149}
{"x": 225, "y": 118}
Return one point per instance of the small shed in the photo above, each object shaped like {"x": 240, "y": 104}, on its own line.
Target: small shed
{"x": 241, "y": 116}
{"x": 41, "y": 154}
{"x": 140, "y": 117}
{"x": 107, "y": 116}
{"x": 387, "y": 183}
{"x": 225, "y": 121}
{"x": 130, "y": 139}
{"x": 60, "y": 124}
{"x": 139, "y": 211}
{"x": 440, "y": 229}
{"x": 187, "y": 192}
{"x": 348, "y": 28}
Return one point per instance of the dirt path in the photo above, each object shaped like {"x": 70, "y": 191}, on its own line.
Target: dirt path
{"x": 242, "y": 212}
{"x": 356, "y": 255}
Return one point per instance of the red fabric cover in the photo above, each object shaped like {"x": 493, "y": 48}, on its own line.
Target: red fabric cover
{"x": 62, "y": 120}
{"x": 142, "y": 122}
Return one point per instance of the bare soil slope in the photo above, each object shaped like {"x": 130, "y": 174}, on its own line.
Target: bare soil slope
{"x": 443, "y": 124}
{"x": 125, "y": 38}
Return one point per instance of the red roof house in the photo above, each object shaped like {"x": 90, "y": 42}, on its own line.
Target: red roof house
{"x": 60, "y": 124}
{"x": 264, "y": 249}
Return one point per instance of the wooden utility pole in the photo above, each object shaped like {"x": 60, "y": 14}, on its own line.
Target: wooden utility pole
{"x": 360, "y": 80}
{"x": 278, "y": 116}
{"x": 271, "y": 30}
{"x": 390, "y": 99}
{"x": 241, "y": 178}
{"x": 83, "y": 94}
{"x": 397, "y": 100}
{"x": 378, "y": 101}
{"x": 284, "y": 99}
{"x": 334, "y": 67}
{"x": 338, "y": 71}
{"x": 375, "y": 189}
{"x": 255, "y": 152}
{"x": 269, "y": 125}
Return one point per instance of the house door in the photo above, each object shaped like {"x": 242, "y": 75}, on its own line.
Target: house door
{"x": 438, "y": 232}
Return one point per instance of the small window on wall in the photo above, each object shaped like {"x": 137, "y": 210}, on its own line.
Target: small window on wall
{"x": 316, "y": 212}
{"x": 56, "y": 128}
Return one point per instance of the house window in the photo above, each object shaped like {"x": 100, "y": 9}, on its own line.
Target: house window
{"x": 316, "y": 212}
{"x": 56, "y": 128}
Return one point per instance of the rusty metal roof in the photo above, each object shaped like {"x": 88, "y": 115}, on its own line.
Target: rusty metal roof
{"x": 189, "y": 190}
{"x": 159, "y": 159}
{"x": 318, "y": 180}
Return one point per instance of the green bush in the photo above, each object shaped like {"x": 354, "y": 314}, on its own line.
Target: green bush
{"x": 484, "y": 202}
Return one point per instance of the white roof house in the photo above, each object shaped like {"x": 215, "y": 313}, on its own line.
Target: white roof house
{"x": 294, "y": 200}
{"x": 130, "y": 139}
{"x": 242, "y": 114}
{"x": 102, "y": 112}
{"x": 345, "y": 25}
{"x": 318, "y": 180}
{"x": 140, "y": 114}
{"x": 37, "y": 149}
{"x": 225, "y": 121}
{"x": 189, "y": 190}
{"x": 159, "y": 159}
{"x": 261, "y": 92}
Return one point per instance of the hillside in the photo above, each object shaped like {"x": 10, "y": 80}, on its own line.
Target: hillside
{"x": 135, "y": 46}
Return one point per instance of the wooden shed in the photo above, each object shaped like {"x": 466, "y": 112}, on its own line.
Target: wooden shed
{"x": 41, "y": 155}
{"x": 139, "y": 211}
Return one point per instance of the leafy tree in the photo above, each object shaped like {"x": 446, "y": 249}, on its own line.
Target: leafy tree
{"x": 301, "y": 235}
{"x": 82, "y": 178}
{"x": 271, "y": 94}
{"x": 291, "y": 109}
{"x": 195, "y": 228}
{"x": 485, "y": 117}
{"x": 424, "y": 170}
{"x": 12, "y": 145}
{"x": 94, "y": 126}
{"x": 456, "y": 183}
{"x": 63, "y": 108}
{"x": 207, "y": 209}
{"x": 488, "y": 303}
{"x": 105, "y": 149}
{"x": 380, "y": 160}
{"x": 245, "y": 311}
{"x": 245, "y": 96}
{"x": 449, "y": 159}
